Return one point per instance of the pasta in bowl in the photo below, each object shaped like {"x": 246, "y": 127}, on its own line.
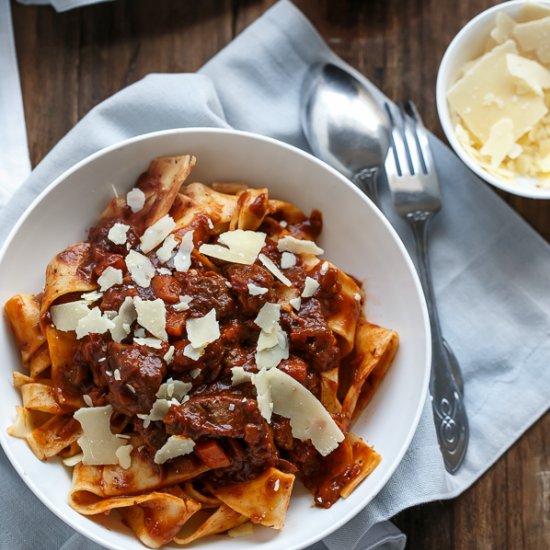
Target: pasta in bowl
{"x": 195, "y": 354}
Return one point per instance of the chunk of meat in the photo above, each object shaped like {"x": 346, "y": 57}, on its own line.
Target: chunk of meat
{"x": 220, "y": 415}
{"x": 241, "y": 276}
{"x": 166, "y": 288}
{"x": 211, "y": 453}
{"x": 311, "y": 337}
{"x": 209, "y": 290}
{"x": 141, "y": 372}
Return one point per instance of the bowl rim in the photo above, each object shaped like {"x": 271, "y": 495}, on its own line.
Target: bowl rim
{"x": 397, "y": 459}
{"x": 443, "y": 107}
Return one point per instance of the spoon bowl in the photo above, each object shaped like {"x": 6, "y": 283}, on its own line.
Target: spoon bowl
{"x": 345, "y": 125}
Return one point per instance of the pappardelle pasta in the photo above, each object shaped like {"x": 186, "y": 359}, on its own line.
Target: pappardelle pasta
{"x": 194, "y": 356}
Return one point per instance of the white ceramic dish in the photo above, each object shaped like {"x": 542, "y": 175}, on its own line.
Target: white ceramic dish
{"x": 356, "y": 237}
{"x": 468, "y": 44}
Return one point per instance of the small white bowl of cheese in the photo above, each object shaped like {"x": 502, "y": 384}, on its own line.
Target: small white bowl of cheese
{"x": 493, "y": 96}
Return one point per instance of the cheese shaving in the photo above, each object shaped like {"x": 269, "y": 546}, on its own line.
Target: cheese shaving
{"x": 151, "y": 315}
{"x": 203, "y": 330}
{"x": 268, "y": 263}
{"x": 255, "y": 290}
{"x": 135, "y": 199}
{"x": 93, "y": 323}
{"x": 65, "y": 317}
{"x": 98, "y": 443}
{"x": 118, "y": 233}
{"x": 156, "y": 233}
{"x": 298, "y": 246}
{"x": 183, "y": 304}
{"x": 182, "y": 259}
{"x": 310, "y": 287}
{"x": 241, "y": 247}
{"x": 288, "y": 259}
{"x": 123, "y": 456}
{"x": 110, "y": 277}
{"x": 140, "y": 268}
{"x": 154, "y": 343}
{"x": 173, "y": 389}
{"x": 176, "y": 445}
{"x": 93, "y": 296}
{"x": 164, "y": 253}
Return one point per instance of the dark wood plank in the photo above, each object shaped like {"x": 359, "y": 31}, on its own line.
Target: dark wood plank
{"x": 70, "y": 62}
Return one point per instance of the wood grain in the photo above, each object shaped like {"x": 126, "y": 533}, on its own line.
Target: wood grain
{"x": 69, "y": 62}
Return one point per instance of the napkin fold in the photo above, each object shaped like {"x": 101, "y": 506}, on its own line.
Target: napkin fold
{"x": 489, "y": 269}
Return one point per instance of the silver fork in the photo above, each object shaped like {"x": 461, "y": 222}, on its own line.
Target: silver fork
{"x": 414, "y": 186}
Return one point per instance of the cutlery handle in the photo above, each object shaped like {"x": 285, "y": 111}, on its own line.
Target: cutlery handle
{"x": 367, "y": 181}
{"x": 450, "y": 418}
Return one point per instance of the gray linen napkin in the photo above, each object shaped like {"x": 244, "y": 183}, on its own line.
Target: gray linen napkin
{"x": 489, "y": 269}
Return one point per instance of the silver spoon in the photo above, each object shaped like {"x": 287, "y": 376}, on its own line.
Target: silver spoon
{"x": 345, "y": 125}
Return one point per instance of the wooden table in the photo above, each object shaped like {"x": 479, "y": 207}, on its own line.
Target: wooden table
{"x": 69, "y": 62}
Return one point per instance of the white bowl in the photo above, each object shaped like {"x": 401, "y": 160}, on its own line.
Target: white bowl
{"x": 356, "y": 237}
{"x": 468, "y": 44}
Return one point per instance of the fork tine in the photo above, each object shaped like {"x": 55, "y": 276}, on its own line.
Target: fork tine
{"x": 414, "y": 154}
{"x": 421, "y": 138}
{"x": 397, "y": 144}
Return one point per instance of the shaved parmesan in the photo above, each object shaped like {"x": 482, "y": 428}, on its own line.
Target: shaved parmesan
{"x": 151, "y": 315}
{"x": 268, "y": 317}
{"x": 116, "y": 375}
{"x": 169, "y": 355}
{"x": 182, "y": 259}
{"x": 203, "y": 330}
{"x": 243, "y": 247}
{"x": 123, "y": 456}
{"x": 73, "y": 460}
{"x": 308, "y": 417}
{"x": 240, "y": 376}
{"x": 97, "y": 442}
{"x": 272, "y": 345}
{"x": 117, "y": 233}
{"x": 154, "y": 343}
{"x": 255, "y": 290}
{"x": 135, "y": 199}
{"x": 310, "y": 287}
{"x": 268, "y": 358}
{"x": 158, "y": 411}
{"x": 93, "y": 296}
{"x": 288, "y": 260}
{"x": 183, "y": 304}
{"x": 156, "y": 233}
{"x": 110, "y": 277}
{"x": 298, "y": 246}
{"x": 193, "y": 353}
{"x": 164, "y": 253}
{"x": 123, "y": 321}
{"x": 173, "y": 389}
{"x": 140, "y": 268}
{"x": 176, "y": 445}
{"x": 66, "y": 316}
{"x": 194, "y": 373}
{"x": 296, "y": 303}
{"x": 93, "y": 323}
{"x": 267, "y": 340}
{"x": 324, "y": 268}
{"x": 88, "y": 400}
{"x": 274, "y": 269}
{"x": 163, "y": 271}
